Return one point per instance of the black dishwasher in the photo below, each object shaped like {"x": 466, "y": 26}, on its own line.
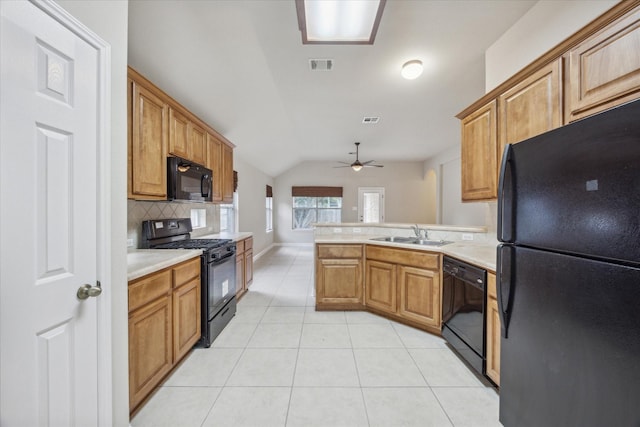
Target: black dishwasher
{"x": 463, "y": 310}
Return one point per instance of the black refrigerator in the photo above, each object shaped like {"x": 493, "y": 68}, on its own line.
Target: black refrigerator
{"x": 569, "y": 274}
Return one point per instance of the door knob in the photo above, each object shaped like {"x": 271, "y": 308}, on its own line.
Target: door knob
{"x": 86, "y": 291}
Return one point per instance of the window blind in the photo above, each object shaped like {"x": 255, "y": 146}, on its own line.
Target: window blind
{"x": 316, "y": 191}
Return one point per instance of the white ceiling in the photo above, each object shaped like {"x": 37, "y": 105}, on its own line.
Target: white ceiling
{"x": 241, "y": 67}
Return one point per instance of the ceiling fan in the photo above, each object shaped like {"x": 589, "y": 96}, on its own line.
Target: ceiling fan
{"x": 357, "y": 165}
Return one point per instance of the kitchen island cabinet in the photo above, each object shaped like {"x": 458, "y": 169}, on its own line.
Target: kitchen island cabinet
{"x": 164, "y": 324}
{"x": 339, "y": 278}
{"x": 405, "y": 285}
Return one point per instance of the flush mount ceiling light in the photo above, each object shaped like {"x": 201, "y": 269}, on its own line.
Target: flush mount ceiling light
{"x": 339, "y": 21}
{"x": 412, "y": 69}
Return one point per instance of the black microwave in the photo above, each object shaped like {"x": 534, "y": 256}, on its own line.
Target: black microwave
{"x": 188, "y": 181}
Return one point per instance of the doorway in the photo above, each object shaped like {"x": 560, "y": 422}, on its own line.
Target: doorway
{"x": 371, "y": 204}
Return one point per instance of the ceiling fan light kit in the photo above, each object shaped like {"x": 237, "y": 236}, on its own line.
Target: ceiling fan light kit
{"x": 357, "y": 165}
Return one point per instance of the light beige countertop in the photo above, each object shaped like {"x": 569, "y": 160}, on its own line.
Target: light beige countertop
{"x": 233, "y": 236}
{"x": 141, "y": 262}
{"x": 482, "y": 254}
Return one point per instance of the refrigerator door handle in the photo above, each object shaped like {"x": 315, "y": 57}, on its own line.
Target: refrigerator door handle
{"x": 505, "y": 197}
{"x": 504, "y": 286}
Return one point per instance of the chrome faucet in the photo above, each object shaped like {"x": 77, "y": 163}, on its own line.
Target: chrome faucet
{"x": 419, "y": 232}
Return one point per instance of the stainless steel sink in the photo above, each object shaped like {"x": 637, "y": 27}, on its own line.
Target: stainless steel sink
{"x": 395, "y": 239}
{"x": 412, "y": 241}
{"x": 430, "y": 242}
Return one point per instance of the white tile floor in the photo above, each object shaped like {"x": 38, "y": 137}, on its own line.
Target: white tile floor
{"x": 281, "y": 363}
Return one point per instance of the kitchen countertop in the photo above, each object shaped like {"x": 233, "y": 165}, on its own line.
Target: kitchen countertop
{"x": 141, "y": 262}
{"x": 233, "y": 236}
{"x": 482, "y": 254}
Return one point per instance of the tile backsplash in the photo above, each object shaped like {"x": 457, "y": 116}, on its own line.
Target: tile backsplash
{"x": 138, "y": 211}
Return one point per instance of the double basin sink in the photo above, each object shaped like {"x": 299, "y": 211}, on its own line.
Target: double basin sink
{"x": 412, "y": 241}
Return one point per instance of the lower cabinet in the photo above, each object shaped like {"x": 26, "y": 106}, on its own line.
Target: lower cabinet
{"x": 164, "y": 324}
{"x": 244, "y": 265}
{"x": 419, "y": 295}
{"x": 339, "y": 277}
{"x": 381, "y": 287}
{"x": 405, "y": 285}
{"x": 493, "y": 330}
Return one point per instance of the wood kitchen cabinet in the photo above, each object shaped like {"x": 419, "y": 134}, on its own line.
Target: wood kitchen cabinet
{"x": 381, "y": 289}
{"x": 147, "y": 141}
{"x": 339, "y": 277}
{"x": 178, "y": 134}
{"x": 164, "y": 324}
{"x": 596, "y": 68}
{"x": 419, "y": 295}
{"x": 244, "y": 265}
{"x": 493, "y": 331}
{"x": 159, "y": 126}
{"x": 531, "y": 107}
{"x": 227, "y": 174}
{"x": 604, "y": 70}
{"x": 197, "y": 144}
{"x": 405, "y": 285}
{"x": 479, "y": 151}
{"x": 214, "y": 162}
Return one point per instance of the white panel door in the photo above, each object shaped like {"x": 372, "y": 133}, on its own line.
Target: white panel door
{"x": 371, "y": 204}
{"x": 49, "y": 120}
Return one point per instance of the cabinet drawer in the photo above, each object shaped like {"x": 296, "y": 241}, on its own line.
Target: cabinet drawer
{"x": 248, "y": 243}
{"x": 149, "y": 288}
{"x": 339, "y": 251}
{"x": 404, "y": 257}
{"x": 185, "y": 272}
{"x": 491, "y": 286}
{"x": 239, "y": 247}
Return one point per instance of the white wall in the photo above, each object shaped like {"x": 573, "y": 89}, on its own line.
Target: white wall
{"x": 251, "y": 204}
{"x": 545, "y": 25}
{"x": 406, "y": 193}
{"x": 109, "y": 19}
{"x": 450, "y": 208}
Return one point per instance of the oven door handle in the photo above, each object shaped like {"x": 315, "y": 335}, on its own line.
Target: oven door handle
{"x": 223, "y": 257}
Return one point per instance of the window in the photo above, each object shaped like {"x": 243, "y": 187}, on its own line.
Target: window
{"x": 198, "y": 218}
{"x": 269, "y": 208}
{"x": 229, "y": 215}
{"x": 316, "y": 205}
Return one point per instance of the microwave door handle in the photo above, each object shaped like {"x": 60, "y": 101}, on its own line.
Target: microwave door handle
{"x": 205, "y": 188}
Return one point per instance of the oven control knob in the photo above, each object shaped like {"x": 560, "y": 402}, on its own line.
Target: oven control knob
{"x": 479, "y": 281}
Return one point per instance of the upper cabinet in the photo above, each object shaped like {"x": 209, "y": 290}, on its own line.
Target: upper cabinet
{"x": 479, "y": 148}
{"x": 148, "y": 123}
{"x": 178, "y": 134}
{"x": 595, "y": 69}
{"x": 531, "y": 107}
{"x": 604, "y": 70}
{"x": 159, "y": 127}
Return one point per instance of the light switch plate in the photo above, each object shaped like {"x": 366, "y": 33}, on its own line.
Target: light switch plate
{"x": 337, "y": 230}
{"x": 129, "y": 243}
{"x": 357, "y": 230}
{"x": 467, "y": 236}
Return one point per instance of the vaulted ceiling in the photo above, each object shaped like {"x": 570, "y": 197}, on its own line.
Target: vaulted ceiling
{"x": 241, "y": 67}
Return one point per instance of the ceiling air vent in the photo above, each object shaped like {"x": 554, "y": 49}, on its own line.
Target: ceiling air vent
{"x": 321, "y": 64}
{"x": 370, "y": 120}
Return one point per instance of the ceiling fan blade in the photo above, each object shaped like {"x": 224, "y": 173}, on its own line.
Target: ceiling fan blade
{"x": 347, "y": 166}
{"x": 369, "y": 162}
{"x": 373, "y": 166}
{"x": 344, "y": 163}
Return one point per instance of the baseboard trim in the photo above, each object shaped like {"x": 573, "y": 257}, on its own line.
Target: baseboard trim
{"x": 262, "y": 252}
